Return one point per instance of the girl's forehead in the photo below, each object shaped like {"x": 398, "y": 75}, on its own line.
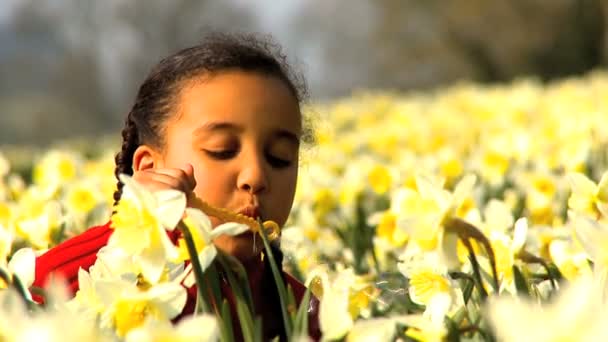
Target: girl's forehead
{"x": 242, "y": 99}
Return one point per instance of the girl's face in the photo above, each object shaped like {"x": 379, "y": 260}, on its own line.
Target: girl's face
{"x": 240, "y": 131}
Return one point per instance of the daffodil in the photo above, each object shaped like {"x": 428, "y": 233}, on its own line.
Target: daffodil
{"x": 140, "y": 224}
{"x": 429, "y": 282}
{"x": 593, "y": 236}
{"x": 190, "y": 329}
{"x": 423, "y": 213}
{"x": 121, "y": 305}
{"x": 23, "y": 265}
{"x": 587, "y": 197}
{"x": 577, "y": 314}
{"x": 203, "y": 235}
{"x": 506, "y": 250}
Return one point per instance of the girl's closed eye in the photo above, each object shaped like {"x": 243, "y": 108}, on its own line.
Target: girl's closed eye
{"x": 278, "y": 162}
{"x": 221, "y": 154}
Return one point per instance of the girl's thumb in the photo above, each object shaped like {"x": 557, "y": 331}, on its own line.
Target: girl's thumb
{"x": 189, "y": 170}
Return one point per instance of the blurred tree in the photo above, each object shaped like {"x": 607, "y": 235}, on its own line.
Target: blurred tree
{"x": 73, "y": 67}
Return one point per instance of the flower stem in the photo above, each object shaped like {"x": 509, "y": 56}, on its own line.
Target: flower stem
{"x": 196, "y": 267}
{"x": 278, "y": 281}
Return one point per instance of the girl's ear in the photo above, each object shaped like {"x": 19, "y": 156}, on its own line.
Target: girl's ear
{"x": 146, "y": 157}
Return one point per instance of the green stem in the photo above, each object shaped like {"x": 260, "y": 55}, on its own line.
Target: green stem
{"x": 196, "y": 267}
{"x": 278, "y": 280}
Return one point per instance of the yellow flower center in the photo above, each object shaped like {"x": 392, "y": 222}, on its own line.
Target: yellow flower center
{"x": 128, "y": 216}
{"x": 130, "y": 314}
{"x": 82, "y": 200}
{"x": 424, "y": 284}
{"x": 380, "y": 179}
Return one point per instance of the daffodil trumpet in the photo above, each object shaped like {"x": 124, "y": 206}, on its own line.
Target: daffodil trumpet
{"x": 273, "y": 231}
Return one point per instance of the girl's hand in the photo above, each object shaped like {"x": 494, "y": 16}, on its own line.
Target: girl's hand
{"x": 168, "y": 178}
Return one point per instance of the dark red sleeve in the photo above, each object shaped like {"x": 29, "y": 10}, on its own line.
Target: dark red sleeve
{"x": 314, "y": 330}
{"x": 67, "y": 258}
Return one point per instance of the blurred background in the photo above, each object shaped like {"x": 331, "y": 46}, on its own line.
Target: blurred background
{"x": 71, "y": 68}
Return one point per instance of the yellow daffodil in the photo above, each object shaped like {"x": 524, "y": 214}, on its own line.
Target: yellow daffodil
{"x": 203, "y": 234}
{"x": 140, "y": 223}
{"x": 429, "y": 283}
{"x": 190, "y": 329}
{"x": 577, "y": 314}
{"x": 587, "y": 197}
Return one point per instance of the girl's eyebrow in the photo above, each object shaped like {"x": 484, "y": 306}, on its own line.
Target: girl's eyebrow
{"x": 217, "y": 126}
{"x": 227, "y": 126}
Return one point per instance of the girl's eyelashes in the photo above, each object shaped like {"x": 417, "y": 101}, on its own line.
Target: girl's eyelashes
{"x": 221, "y": 154}
{"x": 276, "y": 162}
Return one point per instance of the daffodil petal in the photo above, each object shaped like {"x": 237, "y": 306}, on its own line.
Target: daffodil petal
{"x": 200, "y": 219}
{"x": 133, "y": 190}
{"x": 206, "y": 256}
{"x": 520, "y": 232}
{"x": 587, "y": 231}
{"x": 152, "y": 263}
{"x": 170, "y": 209}
{"x": 23, "y": 264}
{"x": 581, "y": 184}
{"x": 229, "y": 228}
{"x": 170, "y": 297}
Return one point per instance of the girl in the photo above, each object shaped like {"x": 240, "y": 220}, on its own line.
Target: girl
{"x": 220, "y": 121}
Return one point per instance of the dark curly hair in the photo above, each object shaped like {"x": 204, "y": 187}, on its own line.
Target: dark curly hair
{"x": 156, "y": 98}
{"x": 216, "y": 53}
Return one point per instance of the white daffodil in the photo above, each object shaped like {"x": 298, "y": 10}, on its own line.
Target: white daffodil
{"x": 126, "y": 306}
{"x": 429, "y": 283}
{"x": 587, "y": 197}
{"x": 203, "y": 235}
{"x": 54, "y": 323}
{"x": 593, "y": 236}
{"x": 23, "y": 265}
{"x": 373, "y": 329}
{"x": 190, "y": 329}
{"x": 140, "y": 225}
{"x": 577, "y": 314}
{"x": 344, "y": 297}
{"x": 422, "y": 213}
{"x": 505, "y": 250}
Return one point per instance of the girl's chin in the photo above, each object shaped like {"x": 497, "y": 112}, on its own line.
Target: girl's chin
{"x": 244, "y": 246}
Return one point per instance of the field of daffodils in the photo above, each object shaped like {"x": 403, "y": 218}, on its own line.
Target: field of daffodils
{"x": 472, "y": 212}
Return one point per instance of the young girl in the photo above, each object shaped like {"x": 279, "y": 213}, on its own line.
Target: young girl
{"x": 220, "y": 121}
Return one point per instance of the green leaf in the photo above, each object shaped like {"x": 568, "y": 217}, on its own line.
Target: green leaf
{"x": 300, "y": 325}
{"x": 226, "y": 329}
{"x": 278, "y": 281}
{"x": 520, "y": 282}
{"x": 246, "y": 321}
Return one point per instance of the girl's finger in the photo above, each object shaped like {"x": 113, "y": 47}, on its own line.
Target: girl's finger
{"x": 189, "y": 170}
{"x": 161, "y": 181}
{"x": 184, "y": 175}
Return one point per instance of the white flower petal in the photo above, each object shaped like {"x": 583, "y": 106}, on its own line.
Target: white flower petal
{"x": 206, "y": 256}
{"x": 200, "y": 219}
{"x": 170, "y": 207}
{"x": 152, "y": 262}
{"x": 229, "y": 228}
{"x": 520, "y": 232}
{"x": 23, "y": 264}
{"x": 170, "y": 297}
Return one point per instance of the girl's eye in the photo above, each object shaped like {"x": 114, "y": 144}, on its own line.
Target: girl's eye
{"x": 277, "y": 162}
{"x": 222, "y": 154}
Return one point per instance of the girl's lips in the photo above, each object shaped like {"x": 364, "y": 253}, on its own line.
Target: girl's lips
{"x": 250, "y": 211}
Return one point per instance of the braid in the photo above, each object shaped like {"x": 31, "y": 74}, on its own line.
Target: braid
{"x": 124, "y": 158}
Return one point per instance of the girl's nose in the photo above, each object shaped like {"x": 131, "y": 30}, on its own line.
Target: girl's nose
{"x": 253, "y": 176}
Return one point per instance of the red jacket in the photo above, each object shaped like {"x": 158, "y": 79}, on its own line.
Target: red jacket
{"x": 81, "y": 252}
